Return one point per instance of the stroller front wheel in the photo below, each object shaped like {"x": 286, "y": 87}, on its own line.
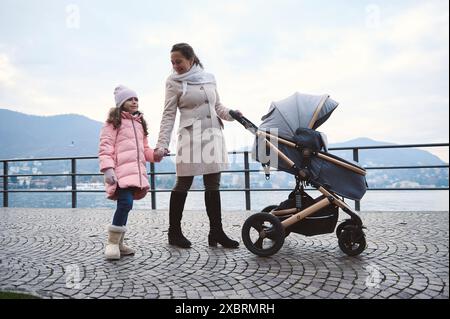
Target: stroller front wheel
{"x": 263, "y": 234}
{"x": 342, "y": 225}
{"x": 352, "y": 240}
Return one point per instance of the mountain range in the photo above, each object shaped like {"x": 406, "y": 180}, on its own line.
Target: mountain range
{"x": 23, "y": 135}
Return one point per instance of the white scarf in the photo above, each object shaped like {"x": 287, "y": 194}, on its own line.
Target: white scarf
{"x": 196, "y": 75}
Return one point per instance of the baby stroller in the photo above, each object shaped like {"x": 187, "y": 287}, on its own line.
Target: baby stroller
{"x": 302, "y": 151}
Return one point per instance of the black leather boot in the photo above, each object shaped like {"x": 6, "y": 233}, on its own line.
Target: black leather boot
{"x": 176, "y": 237}
{"x": 216, "y": 233}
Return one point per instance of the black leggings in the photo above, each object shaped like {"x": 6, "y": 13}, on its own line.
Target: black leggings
{"x": 211, "y": 182}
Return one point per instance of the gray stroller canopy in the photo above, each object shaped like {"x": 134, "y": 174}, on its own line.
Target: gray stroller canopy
{"x": 308, "y": 112}
{"x": 298, "y": 111}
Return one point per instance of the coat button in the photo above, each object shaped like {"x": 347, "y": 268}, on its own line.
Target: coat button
{"x": 206, "y": 101}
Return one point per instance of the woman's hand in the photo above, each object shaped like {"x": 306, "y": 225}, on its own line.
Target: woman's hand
{"x": 110, "y": 176}
{"x": 159, "y": 153}
{"x": 238, "y": 113}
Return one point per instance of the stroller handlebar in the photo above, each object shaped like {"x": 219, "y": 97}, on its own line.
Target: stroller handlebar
{"x": 244, "y": 121}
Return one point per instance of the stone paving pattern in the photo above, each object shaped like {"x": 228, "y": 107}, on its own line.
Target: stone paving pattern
{"x": 58, "y": 253}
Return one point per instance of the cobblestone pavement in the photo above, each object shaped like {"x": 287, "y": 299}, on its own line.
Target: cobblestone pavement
{"x": 58, "y": 253}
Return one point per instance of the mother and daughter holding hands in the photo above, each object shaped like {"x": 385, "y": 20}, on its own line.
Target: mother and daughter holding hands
{"x": 124, "y": 150}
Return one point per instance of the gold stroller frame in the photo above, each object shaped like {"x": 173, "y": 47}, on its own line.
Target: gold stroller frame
{"x": 351, "y": 237}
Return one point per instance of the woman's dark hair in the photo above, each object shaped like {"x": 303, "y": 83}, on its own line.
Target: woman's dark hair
{"x": 187, "y": 51}
{"x": 115, "y": 118}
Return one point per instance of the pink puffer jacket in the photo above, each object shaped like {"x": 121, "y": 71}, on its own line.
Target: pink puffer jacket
{"x": 126, "y": 150}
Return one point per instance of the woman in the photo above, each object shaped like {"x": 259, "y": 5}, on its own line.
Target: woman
{"x": 200, "y": 148}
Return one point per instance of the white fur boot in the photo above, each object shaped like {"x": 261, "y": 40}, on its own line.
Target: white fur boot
{"x": 124, "y": 249}
{"x": 112, "y": 250}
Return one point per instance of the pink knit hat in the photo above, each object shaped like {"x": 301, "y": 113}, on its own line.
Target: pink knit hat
{"x": 122, "y": 93}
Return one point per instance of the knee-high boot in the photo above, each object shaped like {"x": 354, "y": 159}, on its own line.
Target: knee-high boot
{"x": 216, "y": 233}
{"x": 176, "y": 207}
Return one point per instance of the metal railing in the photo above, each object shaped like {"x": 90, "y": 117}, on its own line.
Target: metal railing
{"x": 153, "y": 173}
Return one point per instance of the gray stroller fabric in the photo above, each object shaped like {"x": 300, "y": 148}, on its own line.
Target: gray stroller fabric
{"x": 296, "y": 112}
{"x": 338, "y": 179}
{"x": 335, "y": 178}
{"x": 289, "y": 119}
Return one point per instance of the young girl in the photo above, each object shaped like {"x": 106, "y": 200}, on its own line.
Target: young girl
{"x": 123, "y": 152}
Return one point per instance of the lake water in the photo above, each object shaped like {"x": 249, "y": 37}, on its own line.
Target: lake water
{"x": 372, "y": 201}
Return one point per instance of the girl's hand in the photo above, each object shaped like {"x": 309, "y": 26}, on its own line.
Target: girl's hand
{"x": 110, "y": 176}
{"x": 239, "y": 113}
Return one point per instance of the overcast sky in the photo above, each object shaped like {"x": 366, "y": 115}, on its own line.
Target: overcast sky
{"x": 385, "y": 62}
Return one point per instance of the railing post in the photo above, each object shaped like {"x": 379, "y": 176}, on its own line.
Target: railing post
{"x": 74, "y": 183}
{"x": 5, "y": 184}
{"x": 247, "y": 181}
{"x": 152, "y": 185}
{"x": 356, "y": 159}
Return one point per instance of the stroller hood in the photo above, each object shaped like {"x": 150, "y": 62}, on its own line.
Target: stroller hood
{"x": 295, "y": 119}
{"x": 298, "y": 111}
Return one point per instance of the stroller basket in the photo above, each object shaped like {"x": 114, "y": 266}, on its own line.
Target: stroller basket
{"x": 322, "y": 222}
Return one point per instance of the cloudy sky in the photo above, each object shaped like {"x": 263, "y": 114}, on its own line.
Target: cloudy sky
{"x": 386, "y": 62}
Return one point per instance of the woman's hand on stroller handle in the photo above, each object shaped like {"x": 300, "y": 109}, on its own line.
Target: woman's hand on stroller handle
{"x": 237, "y": 115}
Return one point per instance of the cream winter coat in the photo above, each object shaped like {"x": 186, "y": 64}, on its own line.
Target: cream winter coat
{"x": 200, "y": 143}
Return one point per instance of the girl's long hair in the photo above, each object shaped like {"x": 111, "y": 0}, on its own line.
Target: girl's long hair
{"x": 115, "y": 118}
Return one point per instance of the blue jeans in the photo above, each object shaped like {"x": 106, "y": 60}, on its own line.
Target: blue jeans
{"x": 124, "y": 205}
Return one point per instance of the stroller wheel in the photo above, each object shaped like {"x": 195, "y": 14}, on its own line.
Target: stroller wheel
{"x": 342, "y": 225}
{"x": 263, "y": 234}
{"x": 352, "y": 240}
{"x": 268, "y": 209}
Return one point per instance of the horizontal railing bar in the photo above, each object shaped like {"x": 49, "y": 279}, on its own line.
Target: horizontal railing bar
{"x": 406, "y": 167}
{"x": 410, "y": 189}
{"x": 310, "y": 189}
{"x": 51, "y": 175}
{"x": 47, "y": 159}
{"x": 387, "y": 146}
{"x": 276, "y": 170}
{"x": 230, "y": 171}
{"x": 50, "y": 191}
{"x": 237, "y": 152}
{"x": 222, "y": 190}
{"x": 35, "y": 175}
{"x": 156, "y": 190}
{"x": 223, "y": 172}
